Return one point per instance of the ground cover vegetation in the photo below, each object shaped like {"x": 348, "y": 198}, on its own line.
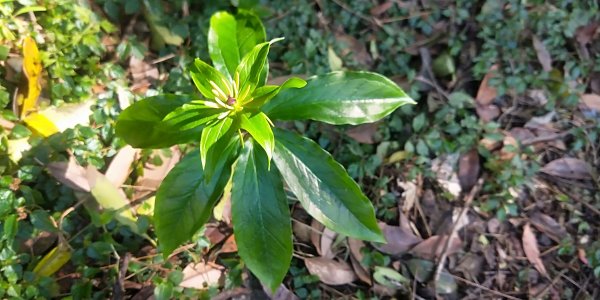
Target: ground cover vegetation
{"x": 487, "y": 187}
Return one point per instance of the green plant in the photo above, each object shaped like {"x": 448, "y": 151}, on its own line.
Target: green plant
{"x": 237, "y": 144}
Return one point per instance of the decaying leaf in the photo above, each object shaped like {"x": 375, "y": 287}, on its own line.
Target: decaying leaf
{"x": 330, "y": 271}
{"x": 399, "y": 240}
{"x": 327, "y": 239}
{"x": 364, "y": 133}
{"x": 120, "y": 166}
{"x": 201, "y": 276}
{"x": 153, "y": 175}
{"x": 591, "y": 101}
{"x": 468, "y": 169}
{"x": 569, "y": 168}
{"x": 443, "y": 167}
{"x": 360, "y": 271}
{"x": 543, "y": 54}
{"x": 530, "y": 246}
{"x": 353, "y": 47}
{"x": 432, "y": 247}
{"x": 70, "y": 174}
{"x": 282, "y": 293}
{"x": 315, "y": 234}
{"x": 409, "y": 194}
{"x": 486, "y": 93}
{"x": 53, "y": 119}
{"x": 548, "y": 226}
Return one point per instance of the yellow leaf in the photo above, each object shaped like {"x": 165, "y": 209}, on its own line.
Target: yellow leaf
{"x": 41, "y": 124}
{"x": 32, "y": 67}
{"x": 53, "y": 261}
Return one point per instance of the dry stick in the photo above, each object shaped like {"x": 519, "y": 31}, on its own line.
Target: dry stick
{"x": 479, "y": 286}
{"x": 474, "y": 191}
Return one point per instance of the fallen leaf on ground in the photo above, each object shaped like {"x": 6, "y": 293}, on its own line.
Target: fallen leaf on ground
{"x": 409, "y": 194}
{"x": 591, "y": 101}
{"x": 585, "y": 34}
{"x": 330, "y": 271}
{"x": 353, "y": 47}
{"x": 355, "y": 246}
{"x": 327, "y": 239}
{"x": 153, "y": 175}
{"x": 201, "y": 276}
{"x": 399, "y": 241}
{"x": 432, "y": 247}
{"x": 360, "y": 271}
{"x": 53, "y": 261}
{"x": 542, "y": 54}
{"x": 486, "y": 93}
{"x": 315, "y": 234}
{"x": 569, "y": 168}
{"x": 120, "y": 166}
{"x": 443, "y": 167}
{"x": 230, "y": 245}
{"x": 70, "y": 174}
{"x": 381, "y": 8}
{"x": 530, "y": 246}
{"x": 548, "y": 226}
{"x": 468, "y": 169}
{"x": 364, "y": 133}
{"x": 282, "y": 293}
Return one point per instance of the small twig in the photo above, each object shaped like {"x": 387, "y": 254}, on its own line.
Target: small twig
{"x": 479, "y": 286}
{"x": 468, "y": 200}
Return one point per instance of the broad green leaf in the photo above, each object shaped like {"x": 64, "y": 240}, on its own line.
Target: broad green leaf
{"x": 259, "y": 128}
{"x": 211, "y": 134}
{"x": 324, "y": 188}
{"x": 339, "y": 98}
{"x": 215, "y": 154}
{"x": 265, "y": 93}
{"x": 161, "y": 34}
{"x": 192, "y": 115}
{"x": 141, "y": 125}
{"x": 202, "y": 74}
{"x": 251, "y": 32}
{"x": 261, "y": 217}
{"x": 223, "y": 43}
{"x": 184, "y": 200}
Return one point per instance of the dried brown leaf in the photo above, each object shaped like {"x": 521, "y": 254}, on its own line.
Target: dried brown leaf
{"x": 201, "y": 275}
{"x": 330, "y": 271}
{"x": 569, "y": 168}
{"x": 70, "y": 174}
{"x": 282, "y": 293}
{"x": 548, "y": 226}
{"x": 353, "y": 47}
{"x": 530, "y": 246}
{"x": 468, "y": 169}
{"x": 487, "y": 113}
{"x": 327, "y": 239}
{"x": 432, "y": 247}
{"x": 153, "y": 175}
{"x": 399, "y": 240}
{"x": 409, "y": 194}
{"x": 543, "y": 54}
{"x": 586, "y": 34}
{"x": 315, "y": 234}
{"x": 360, "y": 271}
{"x": 381, "y": 8}
{"x": 230, "y": 245}
{"x": 486, "y": 93}
{"x": 355, "y": 246}
{"x": 591, "y": 101}
{"x": 120, "y": 166}
{"x": 365, "y": 133}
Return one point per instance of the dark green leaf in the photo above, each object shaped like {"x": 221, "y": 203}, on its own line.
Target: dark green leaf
{"x": 261, "y": 217}
{"x": 184, "y": 200}
{"x": 339, "y": 98}
{"x": 258, "y": 126}
{"x": 211, "y": 134}
{"x": 141, "y": 125}
{"x": 223, "y": 43}
{"x": 324, "y": 188}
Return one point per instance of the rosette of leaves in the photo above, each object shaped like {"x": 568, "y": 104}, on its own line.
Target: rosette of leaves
{"x": 232, "y": 119}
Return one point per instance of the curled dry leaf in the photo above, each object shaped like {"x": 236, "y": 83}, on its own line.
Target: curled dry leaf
{"x": 330, "y": 271}
{"x": 399, "y": 240}
{"x": 356, "y": 257}
{"x": 443, "y": 167}
{"x": 120, "y": 166}
{"x": 486, "y": 93}
{"x": 409, "y": 194}
{"x": 543, "y": 54}
{"x": 569, "y": 168}
{"x": 548, "y": 226}
{"x": 530, "y": 246}
{"x": 153, "y": 175}
{"x": 201, "y": 275}
{"x": 360, "y": 271}
{"x": 315, "y": 234}
{"x": 327, "y": 239}
{"x": 70, "y": 174}
{"x": 432, "y": 247}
